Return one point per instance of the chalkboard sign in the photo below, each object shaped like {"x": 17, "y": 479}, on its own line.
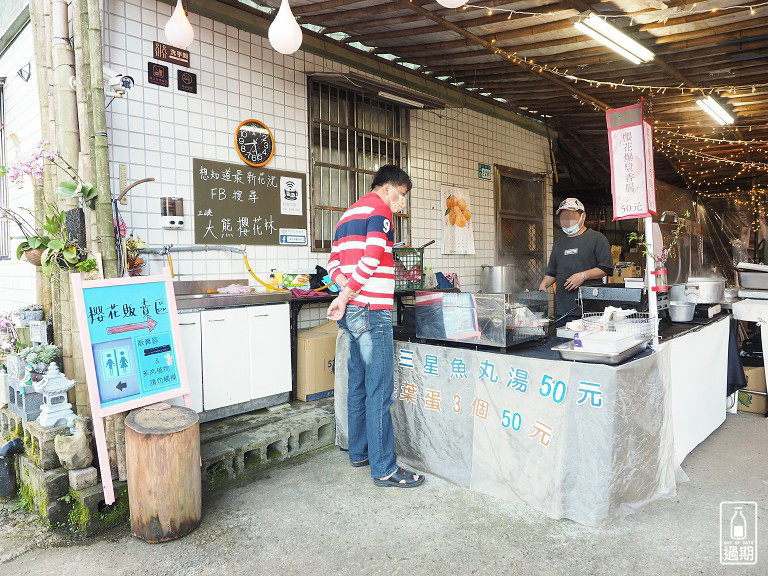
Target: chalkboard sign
{"x": 236, "y": 204}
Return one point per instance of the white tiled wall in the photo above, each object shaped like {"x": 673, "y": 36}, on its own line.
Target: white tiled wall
{"x": 22, "y": 132}
{"x": 446, "y": 146}
{"x": 157, "y": 131}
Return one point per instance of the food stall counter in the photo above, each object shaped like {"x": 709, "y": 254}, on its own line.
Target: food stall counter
{"x": 587, "y": 442}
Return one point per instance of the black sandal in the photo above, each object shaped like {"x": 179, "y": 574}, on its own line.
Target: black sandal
{"x": 360, "y": 464}
{"x": 401, "y": 479}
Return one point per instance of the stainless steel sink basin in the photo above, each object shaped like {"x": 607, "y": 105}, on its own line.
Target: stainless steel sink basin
{"x": 193, "y": 295}
{"x": 194, "y": 301}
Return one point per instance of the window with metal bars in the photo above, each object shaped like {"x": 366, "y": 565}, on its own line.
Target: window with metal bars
{"x": 351, "y": 135}
{"x": 521, "y": 222}
{"x": 5, "y": 233}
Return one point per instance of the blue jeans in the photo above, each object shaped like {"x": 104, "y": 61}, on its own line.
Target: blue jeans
{"x": 371, "y": 381}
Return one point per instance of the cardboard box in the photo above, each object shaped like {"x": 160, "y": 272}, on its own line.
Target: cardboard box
{"x": 325, "y": 328}
{"x": 629, "y": 272}
{"x": 316, "y": 362}
{"x": 755, "y": 381}
{"x": 637, "y": 258}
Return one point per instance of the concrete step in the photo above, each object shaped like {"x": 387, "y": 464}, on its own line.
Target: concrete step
{"x": 243, "y": 446}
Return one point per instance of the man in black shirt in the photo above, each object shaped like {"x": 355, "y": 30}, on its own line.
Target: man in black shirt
{"x": 581, "y": 257}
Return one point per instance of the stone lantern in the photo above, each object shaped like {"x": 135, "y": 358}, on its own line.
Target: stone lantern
{"x": 55, "y": 409}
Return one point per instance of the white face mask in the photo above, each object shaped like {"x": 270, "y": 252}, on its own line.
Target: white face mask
{"x": 399, "y": 204}
{"x": 571, "y": 230}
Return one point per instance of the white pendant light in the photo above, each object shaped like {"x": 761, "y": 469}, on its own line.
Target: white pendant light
{"x": 285, "y": 34}
{"x": 178, "y": 30}
{"x": 452, "y": 3}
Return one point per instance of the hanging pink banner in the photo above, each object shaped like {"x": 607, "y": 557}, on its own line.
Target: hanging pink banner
{"x": 630, "y": 139}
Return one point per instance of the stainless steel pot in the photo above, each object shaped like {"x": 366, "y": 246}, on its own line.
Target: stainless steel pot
{"x": 499, "y": 279}
{"x": 705, "y": 290}
{"x": 681, "y": 311}
{"x": 681, "y": 293}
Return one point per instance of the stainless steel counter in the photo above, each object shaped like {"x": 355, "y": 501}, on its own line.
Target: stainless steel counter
{"x": 193, "y": 295}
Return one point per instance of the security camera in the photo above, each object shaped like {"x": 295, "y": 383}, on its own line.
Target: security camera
{"x": 119, "y": 83}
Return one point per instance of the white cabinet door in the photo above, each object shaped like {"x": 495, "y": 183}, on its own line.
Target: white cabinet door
{"x": 226, "y": 351}
{"x": 270, "y": 353}
{"x": 192, "y": 344}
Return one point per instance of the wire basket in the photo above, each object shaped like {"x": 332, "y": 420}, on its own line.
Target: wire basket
{"x": 640, "y": 324}
{"x": 409, "y": 268}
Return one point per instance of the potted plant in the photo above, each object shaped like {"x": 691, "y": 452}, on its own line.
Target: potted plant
{"x": 89, "y": 269}
{"x": 37, "y": 359}
{"x": 30, "y": 313}
{"x": 51, "y": 247}
{"x": 32, "y": 244}
{"x": 9, "y": 342}
{"x": 60, "y": 250}
{"x": 133, "y": 247}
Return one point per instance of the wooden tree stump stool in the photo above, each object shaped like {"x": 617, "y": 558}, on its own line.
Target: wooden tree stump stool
{"x": 162, "y": 447}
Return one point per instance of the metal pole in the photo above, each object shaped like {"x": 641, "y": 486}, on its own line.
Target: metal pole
{"x": 650, "y": 280}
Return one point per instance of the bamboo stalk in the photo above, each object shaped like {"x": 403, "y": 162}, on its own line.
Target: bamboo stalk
{"x": 82, "y": 83}
{"x": 55, "y": 282}
{"x": 50, "y": 189}
{"x": 122, "y": 473}
{"x": 65, "y": 318}
{"x": 41, "y": 70}
{"x": 68, "y": 144}
{"x": 100, "y": 160}
{"x": 84, "y": 108}
{"x": 65, "y": 99}
{"x": 109, "y": 427}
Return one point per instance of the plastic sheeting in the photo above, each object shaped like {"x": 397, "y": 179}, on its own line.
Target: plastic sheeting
{"x": 587, "y": 442}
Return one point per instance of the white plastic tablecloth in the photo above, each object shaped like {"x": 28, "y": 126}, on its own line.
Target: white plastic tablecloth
{"x": 698, "y": 370}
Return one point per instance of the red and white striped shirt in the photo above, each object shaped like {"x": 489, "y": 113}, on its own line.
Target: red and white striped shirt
{"x": 362, "y": 251}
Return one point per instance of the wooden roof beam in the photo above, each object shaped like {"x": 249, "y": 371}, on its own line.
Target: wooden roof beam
{"x": 501, "y": 53}
{"x": 705, "y": 40}
{"x": 467, "y": 24}
{"x": 316, "y": 7}
{"x": 504, "y": 36}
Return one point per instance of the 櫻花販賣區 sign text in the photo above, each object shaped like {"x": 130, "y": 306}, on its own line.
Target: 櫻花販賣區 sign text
{"x": 133, "y": 348}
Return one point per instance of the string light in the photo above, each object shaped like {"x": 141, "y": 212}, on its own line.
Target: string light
{"x": 683, "y": 135}
{"x": 659, "y": 17}
{"x": 719, "y": 159}
{"x": 667, "y": 144}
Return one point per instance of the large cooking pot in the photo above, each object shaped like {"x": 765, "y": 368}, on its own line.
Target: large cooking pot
{"x": 681, "y": 311}
{"x": 682, "y": 293}
{"x": 705, "y": 290}
{"x": 498, "y": 279}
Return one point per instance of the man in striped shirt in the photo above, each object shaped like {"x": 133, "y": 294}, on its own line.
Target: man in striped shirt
{"x": 361, "y": 264}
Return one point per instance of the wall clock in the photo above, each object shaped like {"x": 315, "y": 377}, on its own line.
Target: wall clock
{"x": 254, "y": 142}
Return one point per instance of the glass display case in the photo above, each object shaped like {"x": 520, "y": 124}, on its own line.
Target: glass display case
{"x": 498, "y": 320}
